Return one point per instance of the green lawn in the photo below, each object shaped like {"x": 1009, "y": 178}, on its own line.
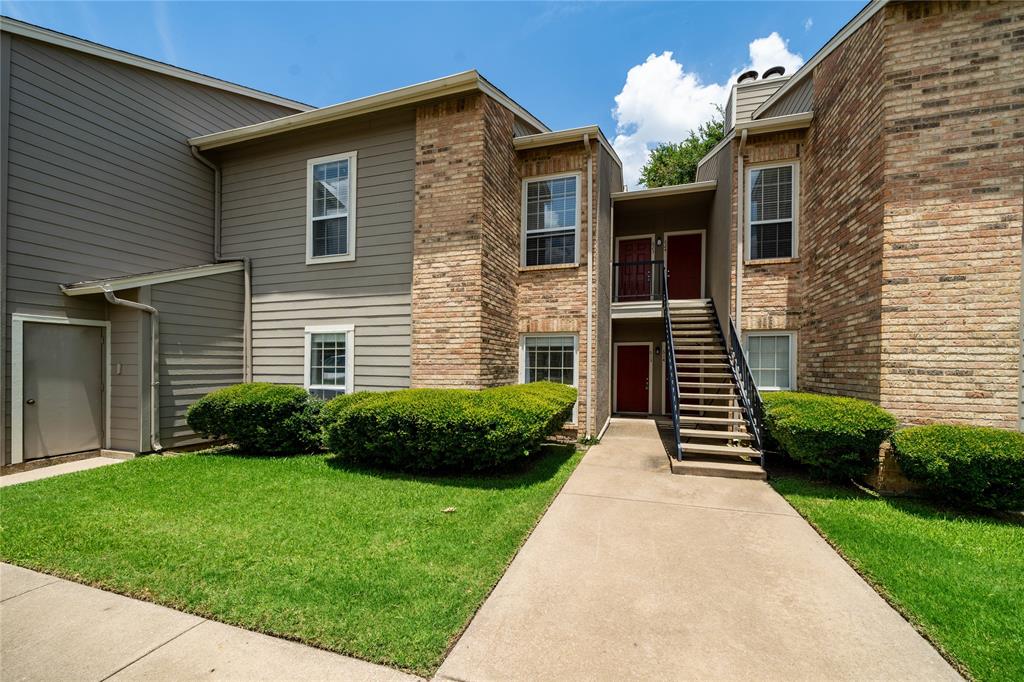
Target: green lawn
{"x": 360, "y": 562}
{"x": 960, "y": 577}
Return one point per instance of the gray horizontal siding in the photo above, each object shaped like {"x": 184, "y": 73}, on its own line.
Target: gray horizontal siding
{"x": 265, "y": 220}
{"x": 100, "y": 183}
{"x": 201, "y": 345}
{"x": 796, "y": 101}
{"x": 750, "y": 97}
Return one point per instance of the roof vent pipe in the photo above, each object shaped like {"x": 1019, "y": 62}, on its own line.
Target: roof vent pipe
{"x": 747, "y": 76}
{"x": 774, "y": 71}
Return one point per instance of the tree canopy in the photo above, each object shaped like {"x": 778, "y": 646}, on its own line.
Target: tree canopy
{"x": 675, "y": 163}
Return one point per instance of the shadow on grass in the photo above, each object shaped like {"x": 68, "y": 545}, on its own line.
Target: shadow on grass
{"x": 794, "y": 482}
{"x": 540, "y": 466}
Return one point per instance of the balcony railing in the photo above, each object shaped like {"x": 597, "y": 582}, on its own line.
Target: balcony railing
{"x": 637, "y": 281}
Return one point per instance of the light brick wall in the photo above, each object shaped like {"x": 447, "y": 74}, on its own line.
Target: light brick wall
{"x": 954, "y": 155}
{"x": 554, "y": 299}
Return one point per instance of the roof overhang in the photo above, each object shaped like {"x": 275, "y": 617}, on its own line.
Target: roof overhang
{"x": 99, "y": 286}
{"x": 759, "y": 126}
{"x": 838, "y": 39}
{"x": 669, "y": 190}
{"x": 20, "y": 28}
{"x": 567, "y": 136}
{"x": 467, "y": 81}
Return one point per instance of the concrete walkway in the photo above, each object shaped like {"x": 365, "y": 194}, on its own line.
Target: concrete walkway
{"x": 52, "y": 629}
{"x": 57, "y": 470}
{"x": 638, "y": 574}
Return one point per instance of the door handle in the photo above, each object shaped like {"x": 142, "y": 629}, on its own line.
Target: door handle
{"x": 30, "y": 401}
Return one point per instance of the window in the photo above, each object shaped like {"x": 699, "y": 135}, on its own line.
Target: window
{"x": 550, "y": 220}
{"x": 328, "y": 364}
{"x": 772, "y": 207}
{"x": 772, "y": 360}
{"x": 331, "y": 209}
{"x": 549, "y": 357}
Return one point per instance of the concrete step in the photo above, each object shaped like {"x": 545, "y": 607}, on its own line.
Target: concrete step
{"x": 703, "y": 365}
{"x": 716, "y": 435}
{"x": 704, "y": 384}
{"x": 720, "y": 421}
{"x": 704, "y": 337}
{"x": 680, "y": 350}
{"x": 710, "y": 395}
{"x": 690, "y": 303}
{"x": 703, "y": 375}
{"x": 719, "y": 469}
{"x": 738, "y": 451}
{"x": 684, "y": 407}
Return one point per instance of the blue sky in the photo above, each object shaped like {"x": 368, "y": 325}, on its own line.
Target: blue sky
{"x": 565, "y": 62}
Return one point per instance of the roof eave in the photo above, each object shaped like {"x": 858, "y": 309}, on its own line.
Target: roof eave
{"x": 566, "y": 136}
{"x": 100, "y": 286}
{"x": 669, "y": 190}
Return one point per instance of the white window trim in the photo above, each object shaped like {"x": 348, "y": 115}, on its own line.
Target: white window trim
{"x": 575, "y": 363}
{"x": 352, "y": 196}
{"x": 792, "y": 356}
{"x": 350, "y": 355}
{"x": 576, "y": 227}
{"x": 795, "y": 249}
{"x": 18, "y": 376}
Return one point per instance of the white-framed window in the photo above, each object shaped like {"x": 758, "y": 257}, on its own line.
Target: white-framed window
{"x": 331, "y": 208}
{"x": 772, "y": 359}
{"x": 550, "y": 357}
{"x": 329, "y": 364}
{"x": 551, "y": 218}
{"x": 772, "y": 208}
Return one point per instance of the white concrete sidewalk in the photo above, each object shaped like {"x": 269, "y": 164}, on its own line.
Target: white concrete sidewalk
{"x": 52, "y": 629}
{"x": 57, "y": 470}
{"x": 634, "y": 573}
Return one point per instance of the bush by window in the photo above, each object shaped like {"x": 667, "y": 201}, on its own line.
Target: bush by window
{"x": 966, "y": 464}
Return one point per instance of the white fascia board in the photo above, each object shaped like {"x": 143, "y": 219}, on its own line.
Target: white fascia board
{"x": 100, "y": 286}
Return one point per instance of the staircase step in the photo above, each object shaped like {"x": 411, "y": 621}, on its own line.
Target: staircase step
{"x": 721, "y": 421}
{"x": 684, "y": 407}
{"x": 695, "y": 335}
{"x": 705, "y": 384}
{"x": 743, "y": 470}
{"x": 711, "y": 433}
{"x": 720, "y": 450}
{"x": 709, "y": 396}
{"x": 689, "y": 302}
{"x": 716, "y": 356}
{"x": 703, "y": 375}
{"x": 702, "y": 365}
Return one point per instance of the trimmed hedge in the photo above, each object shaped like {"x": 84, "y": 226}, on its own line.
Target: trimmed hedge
{"x": 968, "y": 464}
{"x": 261, "y": 418}
{"x": 427, "y": 430}
{"x": 836, "y": 437}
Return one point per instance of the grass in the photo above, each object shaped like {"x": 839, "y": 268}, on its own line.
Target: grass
{"x": 959, "y": 577}
{"x": 360, "y": 562}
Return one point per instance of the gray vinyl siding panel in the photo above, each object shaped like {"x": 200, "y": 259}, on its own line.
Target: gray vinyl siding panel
{"x": 797, "y": 101}
{"x": 750, "y": 96}
{"x": 100, "y": 183}
{"x": 125, "y": 377}
{"x": 201, "y": 345}
{"x": 264, "y": 209}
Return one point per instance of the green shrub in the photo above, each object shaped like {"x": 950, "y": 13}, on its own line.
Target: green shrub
{"x": 260, "y": 418}
{"x": 428, "y": 430}
{"x": 967, "y": 464}
{"x": 836, "y": 437}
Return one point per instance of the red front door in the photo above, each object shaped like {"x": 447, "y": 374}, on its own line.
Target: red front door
{"x": 683, "y": 258}
{"x": 632, "y": 378}
{"x": 633, "y": 282}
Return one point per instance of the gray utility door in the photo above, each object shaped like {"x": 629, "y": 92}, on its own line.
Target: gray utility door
{"x": 63, "y": 389}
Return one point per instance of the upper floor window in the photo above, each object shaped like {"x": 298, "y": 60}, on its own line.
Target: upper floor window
{"x": 550, "y": 220}
{"x": 328, "y": 360}
{"x": 331, "y": 208}
{"x": 772, "y": 209}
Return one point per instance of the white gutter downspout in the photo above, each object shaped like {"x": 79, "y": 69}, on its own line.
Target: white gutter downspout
{"x": 590, "y": 284}
{"x": 154, "y": 384}
{"x": 247, "y": 265}
{"x": 741, "y": 228}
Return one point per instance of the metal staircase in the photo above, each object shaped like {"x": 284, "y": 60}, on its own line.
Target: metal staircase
{"x": 717, "y": 415}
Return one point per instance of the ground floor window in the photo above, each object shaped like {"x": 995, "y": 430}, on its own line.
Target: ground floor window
{"x": 550, "y": 357}
{"x": 328, "y": 360}
{"x": 772, "y": 359}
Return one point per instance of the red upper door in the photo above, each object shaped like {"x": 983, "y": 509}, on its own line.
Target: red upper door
{"x": 632, "y": 378}
{"x": 633, "y": 282}
{"x": 684, "y": 260}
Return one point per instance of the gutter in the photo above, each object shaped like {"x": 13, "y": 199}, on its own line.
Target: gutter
{"x": 154, "y": 384}
{"x": 590, "y": 281}
{"x": 246, "y": 264}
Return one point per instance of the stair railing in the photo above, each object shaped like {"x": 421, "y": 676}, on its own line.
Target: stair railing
{"x": 670, "y": 362}
{"x": 749, "y": 395}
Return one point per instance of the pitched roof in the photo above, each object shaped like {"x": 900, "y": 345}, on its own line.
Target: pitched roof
{"x": 45, "y": 35}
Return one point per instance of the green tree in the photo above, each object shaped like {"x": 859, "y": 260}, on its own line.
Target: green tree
{"x": 675, "y": 163}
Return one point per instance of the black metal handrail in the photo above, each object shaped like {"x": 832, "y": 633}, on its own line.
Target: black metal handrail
{"x": 638, "y": 281}
{"x": 749, "y": 394}
{"x": 673, "y": 372}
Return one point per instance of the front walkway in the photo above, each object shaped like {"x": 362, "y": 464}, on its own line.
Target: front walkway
{"x": 638, "y": 574}
{"x": 52, "y": 629}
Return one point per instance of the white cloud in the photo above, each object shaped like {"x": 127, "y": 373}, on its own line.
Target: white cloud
{"x": 662, "y": 102}
{"x": 162, "y": 23}
{"x": 808, "y": 23}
